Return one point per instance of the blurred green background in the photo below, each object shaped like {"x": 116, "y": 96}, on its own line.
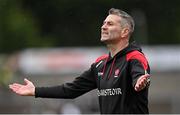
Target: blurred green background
{"x": 38, "y": 24}
{"x": 58, "y": 23}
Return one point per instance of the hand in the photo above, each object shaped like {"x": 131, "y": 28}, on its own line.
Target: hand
{"x": 24, "y": 90}
{"x": 142, "y": 82}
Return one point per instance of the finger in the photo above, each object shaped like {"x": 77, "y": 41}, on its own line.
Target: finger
{"x": 11, "y": 86}
{"x": 142, "y": 86}
{"x": 141, "y": 83}
{"x": 26, "y": 81}
{"x": 138, "y": 87}
{"x": 146, "y": 76}
{"x": 15, "y": 86}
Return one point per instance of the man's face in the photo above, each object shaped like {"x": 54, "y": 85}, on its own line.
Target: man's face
{"x": 111, "y": 29}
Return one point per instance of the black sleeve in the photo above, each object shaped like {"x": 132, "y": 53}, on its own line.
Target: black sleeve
{"x": 137, "y": 69}
{"x": 82, "y": 84}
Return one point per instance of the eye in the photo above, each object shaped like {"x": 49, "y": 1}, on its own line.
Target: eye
{"x": 104, "y": 23}
{"x": 110, "y": 23}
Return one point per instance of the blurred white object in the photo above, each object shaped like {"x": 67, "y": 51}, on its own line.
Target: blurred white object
{"x": 163, "y": 58}
{"x": 58, "y": 61}
{"x": 76, "y": 60}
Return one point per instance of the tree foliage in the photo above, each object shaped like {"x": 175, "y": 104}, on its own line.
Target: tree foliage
{"x": 59, "y": 23}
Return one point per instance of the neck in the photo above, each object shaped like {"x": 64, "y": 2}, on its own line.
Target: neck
{"x": 117, "y": 47}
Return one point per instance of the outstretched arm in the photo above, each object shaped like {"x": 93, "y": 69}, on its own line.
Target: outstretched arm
{"x": 27, "y": 89}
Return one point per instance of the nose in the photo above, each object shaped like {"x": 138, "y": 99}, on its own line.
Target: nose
{"x": 104, "y": 26}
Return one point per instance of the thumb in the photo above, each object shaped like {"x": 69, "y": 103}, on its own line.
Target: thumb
{"x": 26, "y": 81}
{"x": 146, "y": 76}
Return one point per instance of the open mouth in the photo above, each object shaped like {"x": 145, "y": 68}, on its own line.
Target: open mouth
{"x": 104, "y": 33}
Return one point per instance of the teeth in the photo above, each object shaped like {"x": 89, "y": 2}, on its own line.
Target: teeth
{"x": 104, "y": 33}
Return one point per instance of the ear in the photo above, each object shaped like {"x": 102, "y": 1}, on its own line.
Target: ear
{"x": 125, "y": 32}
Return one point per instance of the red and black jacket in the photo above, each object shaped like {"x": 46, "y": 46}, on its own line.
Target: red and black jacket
{"x": 114, "y": 78}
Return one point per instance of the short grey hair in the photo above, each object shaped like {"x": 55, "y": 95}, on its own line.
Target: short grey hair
{"x": 127, "y": 20}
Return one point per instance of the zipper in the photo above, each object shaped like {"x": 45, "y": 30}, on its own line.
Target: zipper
{"x": 111, "y": 68}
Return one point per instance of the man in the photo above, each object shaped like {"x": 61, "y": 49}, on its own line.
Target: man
{"x": 122, "y": 77}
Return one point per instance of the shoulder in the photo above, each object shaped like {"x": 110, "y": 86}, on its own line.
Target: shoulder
{"x": 135, "y": 55}
{"x": 101, "y": 58}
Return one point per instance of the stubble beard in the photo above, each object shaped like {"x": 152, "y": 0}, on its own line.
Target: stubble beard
{"x": 110, "y": 39}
